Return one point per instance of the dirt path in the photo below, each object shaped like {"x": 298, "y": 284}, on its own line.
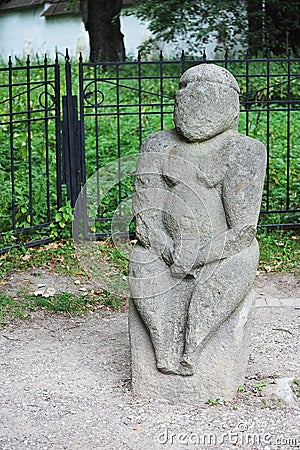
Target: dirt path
{"x": 65, "y": 385}
{"x": 279, "y": 284}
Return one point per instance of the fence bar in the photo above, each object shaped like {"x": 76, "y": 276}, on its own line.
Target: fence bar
{"x": 251, "y": 103}
{"x": 116, "y": 92}
{"x": 288, "y": 132}
{"x": 247, "y": 105}
{"x": 58, "y": 134}
{"x": 47, "y": 139}
{"x": 118, "y": 138}
{"x": 72, "y": 152}
{"x": 161, "y": 90}
{"x": 182, "y": 60}
{"x": 95, "y": 80}
{"x": 29, "y": 148}
{"x": 268, "y": 131}
{"x": 11, "y": 133}
{"x": 139, "y": 75}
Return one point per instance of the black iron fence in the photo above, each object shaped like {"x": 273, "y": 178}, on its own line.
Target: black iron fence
{"x": 59, "y": 127}
{"x": 30, "y": 147}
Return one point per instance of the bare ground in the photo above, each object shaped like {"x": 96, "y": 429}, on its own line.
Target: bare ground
{"x": 65, "y": 382}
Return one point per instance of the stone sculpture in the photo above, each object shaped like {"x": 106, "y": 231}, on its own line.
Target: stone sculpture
{"x": 196, "y": 203}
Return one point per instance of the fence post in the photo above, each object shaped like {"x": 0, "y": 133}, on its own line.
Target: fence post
{"x": 71, "y": 140}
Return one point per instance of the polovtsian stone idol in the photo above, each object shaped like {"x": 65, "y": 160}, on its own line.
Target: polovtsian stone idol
{"x": 196, "y": 203}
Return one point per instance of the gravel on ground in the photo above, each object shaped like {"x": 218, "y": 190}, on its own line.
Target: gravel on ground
{"x": 65, "y": 383}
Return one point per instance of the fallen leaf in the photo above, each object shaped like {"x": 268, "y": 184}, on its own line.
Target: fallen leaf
{"x": 98, "y": 292}
{"x": 137, "y": 427}
{"x": 278, "y": 264}
{"x": 49, "y": 246}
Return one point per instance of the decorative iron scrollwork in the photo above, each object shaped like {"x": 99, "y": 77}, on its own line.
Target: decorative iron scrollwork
{"x": 46, "y": 98}
{"x": 93, "y": 97}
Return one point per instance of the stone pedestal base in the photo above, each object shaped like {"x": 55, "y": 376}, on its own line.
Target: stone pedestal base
{"x": 221, "y": 366}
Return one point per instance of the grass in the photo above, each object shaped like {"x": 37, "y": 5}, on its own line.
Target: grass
{"x": 116, "y": 131}
{"x": 21, "y": 306}
{"x": 58, "y": 258}
{"x": 279, "y": 251}
{"x": 296, "y": 387}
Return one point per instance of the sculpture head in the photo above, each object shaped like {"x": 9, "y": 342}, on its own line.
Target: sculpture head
{"x": 207, "y": 102}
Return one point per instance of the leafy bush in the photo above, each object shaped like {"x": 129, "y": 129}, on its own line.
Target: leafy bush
{"x": 120, "y": 112}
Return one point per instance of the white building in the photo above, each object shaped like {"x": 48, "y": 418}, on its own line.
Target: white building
{"x": 39, "y": 27}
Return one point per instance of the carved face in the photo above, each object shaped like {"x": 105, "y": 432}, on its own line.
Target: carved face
{"x": 206, "y": 104}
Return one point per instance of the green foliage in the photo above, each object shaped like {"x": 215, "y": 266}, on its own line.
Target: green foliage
{"x": 279, "y": 250}
{"x": 10, "y": 306}
{"x": 58, "y": 256}
{"x": 61, "y": 227}
{"x": 193, "y": 22}
{"x": 61, "y": 257}
{"x": 21, "y": 306}
{"x": 104, "y": 144}
{"x": 27, "y": 151}
{"x": 241, "y": 389}
{"x": 109, "y": 252}
{"x": 296, "y": 381}
{"x": 255, "y": 23}
{"x": 296, "y": 386}
{"x": 281, "y": 25}
{"x": 264, "y": 123}
{"x": 109, "y": 299}
{"x": 4, "y": 300}
{"x": 61, "y": 302}
{"x": 213, "y": 402}
{"x": 258, "y": 387}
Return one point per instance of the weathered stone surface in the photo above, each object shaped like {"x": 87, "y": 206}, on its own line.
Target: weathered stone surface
{"x": 196, "y": 203}
{"x": 221, "y": 366}
{"x": 210, "y": 93}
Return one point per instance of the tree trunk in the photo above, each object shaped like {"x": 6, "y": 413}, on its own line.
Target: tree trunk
{"x": 255, "y": 24}
{"x": 283, "y": 27}
{"x": 103, "y": 25}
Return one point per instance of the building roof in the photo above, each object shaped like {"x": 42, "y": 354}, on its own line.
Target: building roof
{"x": 56, "y": 7}
{"x": 61, "y": 7}
{"x": 19, "y": 4}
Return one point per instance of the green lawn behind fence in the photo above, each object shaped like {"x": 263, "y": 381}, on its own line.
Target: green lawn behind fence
{"x": 103, "y": 140}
